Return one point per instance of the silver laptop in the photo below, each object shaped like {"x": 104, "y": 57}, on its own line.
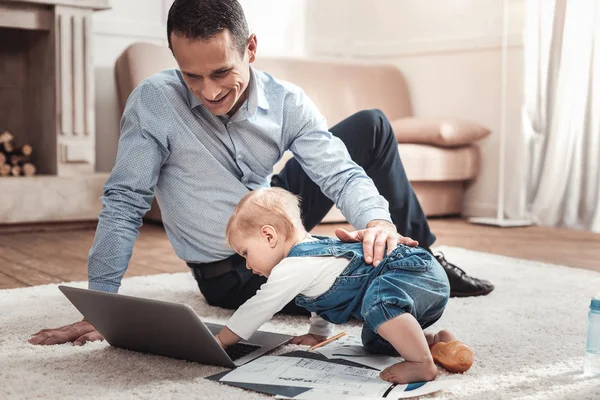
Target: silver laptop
{"x": 165, "y": 329}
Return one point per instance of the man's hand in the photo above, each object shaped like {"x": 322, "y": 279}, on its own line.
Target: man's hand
{"x": 378, "y": 234}
{"x": 308, "y": 340}
{"x": 78, "y": 333}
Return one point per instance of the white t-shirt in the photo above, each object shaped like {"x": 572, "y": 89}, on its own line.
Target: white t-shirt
{"x": 309, "y": 276}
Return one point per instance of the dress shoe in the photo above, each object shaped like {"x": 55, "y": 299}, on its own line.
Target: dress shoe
{"x": 461, "y": 284}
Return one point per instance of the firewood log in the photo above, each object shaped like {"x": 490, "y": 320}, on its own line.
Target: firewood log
{"x": 7, "y": 147}
{"x": 25, "y": 150}
{"x": 6, "y": 136}
{"x": 4, "y": 169}
{"x": 28, "y": 169}
{"x": 16, "y": 159}
{"x": 15, "y": 170}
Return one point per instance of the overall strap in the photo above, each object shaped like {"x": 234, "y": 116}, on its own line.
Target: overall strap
{"x": 321, "y": 247}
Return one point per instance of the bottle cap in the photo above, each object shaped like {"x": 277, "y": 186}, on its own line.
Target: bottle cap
{"x": 595, "y": 303}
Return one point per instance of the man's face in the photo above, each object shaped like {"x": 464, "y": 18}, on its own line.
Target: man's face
{"x": 215, "y": 70}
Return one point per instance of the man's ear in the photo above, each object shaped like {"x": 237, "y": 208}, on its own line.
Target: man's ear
{"x": 252, "y": 43}
{"x": 269, "y": 233}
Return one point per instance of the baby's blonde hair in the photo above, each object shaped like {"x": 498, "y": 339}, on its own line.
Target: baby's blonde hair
{"x": 268, "y": 206}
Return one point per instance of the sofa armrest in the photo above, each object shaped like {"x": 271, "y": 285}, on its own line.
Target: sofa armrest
{"x": 443, "y": 132}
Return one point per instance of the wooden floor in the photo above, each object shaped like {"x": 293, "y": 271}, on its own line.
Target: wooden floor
{"x": 58, "y": 253}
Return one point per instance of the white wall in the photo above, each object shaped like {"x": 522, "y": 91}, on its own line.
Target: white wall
{"x": 450, "y": 53}
{"x": 279, "y": 26}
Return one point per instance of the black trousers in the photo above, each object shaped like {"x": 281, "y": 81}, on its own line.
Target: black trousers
{"x": 372, "y": 145}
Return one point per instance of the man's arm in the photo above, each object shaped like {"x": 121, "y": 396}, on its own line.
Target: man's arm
{"x": 128, "y": 195}
{"x": 326, "y": 161}
{"x": 129, "y": 190}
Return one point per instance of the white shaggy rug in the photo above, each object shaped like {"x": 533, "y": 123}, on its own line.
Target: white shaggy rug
{"x": 528, "y": 337}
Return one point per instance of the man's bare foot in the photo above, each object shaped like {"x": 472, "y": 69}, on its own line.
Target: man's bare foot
{"x": 407, "y": 372}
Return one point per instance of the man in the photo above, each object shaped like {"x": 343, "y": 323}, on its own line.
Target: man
{"x": 200, "y": 137}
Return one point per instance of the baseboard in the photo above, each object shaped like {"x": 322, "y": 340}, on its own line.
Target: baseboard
{"x": 477, "y": 209}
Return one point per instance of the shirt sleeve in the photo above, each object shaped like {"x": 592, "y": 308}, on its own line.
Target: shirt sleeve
{"x": 288, "y": 279}
{"x": 318, "y": 326}
{"x": 129, "y": 190}
{"x": 327, "y": 162}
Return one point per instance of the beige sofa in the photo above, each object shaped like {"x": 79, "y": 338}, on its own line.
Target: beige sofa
{"x": 439, "y": 154}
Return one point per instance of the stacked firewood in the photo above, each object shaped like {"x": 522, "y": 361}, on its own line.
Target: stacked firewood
{"x": 15, "y": 161}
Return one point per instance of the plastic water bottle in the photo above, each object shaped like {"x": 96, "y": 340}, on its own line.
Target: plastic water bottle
{"x": 591, "y": 360}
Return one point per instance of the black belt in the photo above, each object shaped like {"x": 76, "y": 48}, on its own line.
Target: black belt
{"x": 213, "y": 269}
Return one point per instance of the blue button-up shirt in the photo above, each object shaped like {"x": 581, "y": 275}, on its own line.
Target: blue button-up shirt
{"x": 200, "y": 165}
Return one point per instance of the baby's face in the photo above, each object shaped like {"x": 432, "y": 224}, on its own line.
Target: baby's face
{"x": 261, "y": 257}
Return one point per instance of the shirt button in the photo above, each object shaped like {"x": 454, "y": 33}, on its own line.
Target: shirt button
{"x": 245, "y": 180}
{"x": 240, "y": 156}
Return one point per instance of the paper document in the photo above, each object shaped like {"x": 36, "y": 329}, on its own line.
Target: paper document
{"x": 304, "y": 372}
{"x": 357, "y": 354}
{"x": 350, "y": 348}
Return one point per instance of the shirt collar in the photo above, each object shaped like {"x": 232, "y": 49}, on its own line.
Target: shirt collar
{"x": 256, "y": 95}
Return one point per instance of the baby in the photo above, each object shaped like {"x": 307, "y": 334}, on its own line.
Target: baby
{"x": 404, "y": 294}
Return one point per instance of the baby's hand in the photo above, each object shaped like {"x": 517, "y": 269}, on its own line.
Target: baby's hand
{"x": 308, "y": 340}
{"x": 219, "y": 341}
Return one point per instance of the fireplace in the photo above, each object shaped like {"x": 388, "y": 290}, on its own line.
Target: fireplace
{"x": 47, "y": 101}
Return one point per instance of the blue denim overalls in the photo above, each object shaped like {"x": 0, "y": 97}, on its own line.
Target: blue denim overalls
{"x": 408, "y": 280}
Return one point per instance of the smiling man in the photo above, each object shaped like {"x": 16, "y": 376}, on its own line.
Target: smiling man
{"x": 202, "y": 136}
{"x": 216, "y": 71}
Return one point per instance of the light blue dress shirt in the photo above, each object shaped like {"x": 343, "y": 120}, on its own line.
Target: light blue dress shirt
{"x": 200, "y": 165}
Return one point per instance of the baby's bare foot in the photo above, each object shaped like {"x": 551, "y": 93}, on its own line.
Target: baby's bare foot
{"x": 444, "y": 336}
{"x": 407, "y": 372}
{"x": 441, "y": 336}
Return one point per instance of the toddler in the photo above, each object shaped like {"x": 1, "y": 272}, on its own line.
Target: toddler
{"x": 403, "y": 295}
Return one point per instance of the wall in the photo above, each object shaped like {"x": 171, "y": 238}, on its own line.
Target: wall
{"x": 274, "y": 22}
{"x": 450, "y": 53}
{"x": 279, "y": 26}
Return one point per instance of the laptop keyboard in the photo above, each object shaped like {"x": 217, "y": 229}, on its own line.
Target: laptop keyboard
{"x": 240, "y": 350}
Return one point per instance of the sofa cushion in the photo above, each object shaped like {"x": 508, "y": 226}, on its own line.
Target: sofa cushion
{"x": 430, "y": 163}
{"x": 445, "y": 132}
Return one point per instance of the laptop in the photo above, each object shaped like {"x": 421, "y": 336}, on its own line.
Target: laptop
{"x": 165, "y": 329}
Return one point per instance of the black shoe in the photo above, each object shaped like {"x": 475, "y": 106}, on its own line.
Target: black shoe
{"x": 461, "y": 284}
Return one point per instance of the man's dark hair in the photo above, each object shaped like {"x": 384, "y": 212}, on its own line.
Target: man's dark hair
{"x": 204, "y": 19}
